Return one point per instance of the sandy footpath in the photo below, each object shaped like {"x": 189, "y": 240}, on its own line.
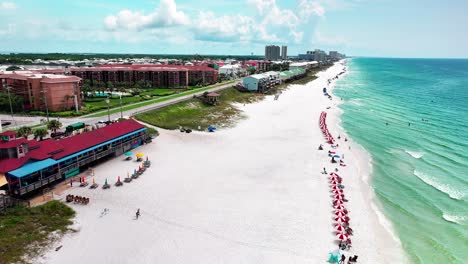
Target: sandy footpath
{"x": 250, "y": 194}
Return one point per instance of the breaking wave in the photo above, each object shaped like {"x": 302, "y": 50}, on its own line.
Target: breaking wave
{"x": 415, "y": 154}
{"x": 443, "y": 187}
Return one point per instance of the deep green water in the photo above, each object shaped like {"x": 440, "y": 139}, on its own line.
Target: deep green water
{"x": 420, "y": 170}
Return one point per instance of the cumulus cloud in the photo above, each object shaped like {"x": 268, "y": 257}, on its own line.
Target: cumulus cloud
{"x": 270, "y": 23}
{"x": 224, "y": 28}
{"x": 166, "y": 15}
{"x": 7, "y": 5}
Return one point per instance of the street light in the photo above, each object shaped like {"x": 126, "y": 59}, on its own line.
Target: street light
{"x": 11, "y": 106}
{"x": 45, "y": 101}
{"x": 121, "y": 110}
{"x": 108, "y": 112}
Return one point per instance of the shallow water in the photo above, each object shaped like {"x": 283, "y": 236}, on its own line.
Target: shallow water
{"x": 412, "y": 116}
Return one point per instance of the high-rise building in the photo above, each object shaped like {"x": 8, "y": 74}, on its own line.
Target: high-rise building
{"x": 284, "y": 52}
{"x": 272, "y": 52}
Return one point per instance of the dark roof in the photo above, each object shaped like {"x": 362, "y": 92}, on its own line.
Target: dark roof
{"x": 57, "y": 149}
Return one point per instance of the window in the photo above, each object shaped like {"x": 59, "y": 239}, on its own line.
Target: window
{"x": 20, "y": 149}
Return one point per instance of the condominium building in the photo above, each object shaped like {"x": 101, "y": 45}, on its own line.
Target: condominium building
{"x": 272, "y": 53}
{"x": 170, "y": 76}
{"x": 284, "y": 52}
{"x": 51, "y": 92}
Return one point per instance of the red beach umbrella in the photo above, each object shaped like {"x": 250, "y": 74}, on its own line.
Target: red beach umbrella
{"x": 337, "y": 202}
{"x": 340, "y": 214}
{"x": 342, "y": 236}
{"x": 340, "y": 228}
{"x": 333, "y": 182}
{"x": 340, "y": 193}
{"x": 336, "y": 188}
{"x": 340, "y": 219}
{"x": 340, "y": 207}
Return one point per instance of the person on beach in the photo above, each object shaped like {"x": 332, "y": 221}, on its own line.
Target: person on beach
{"x": 339, "y": 136}
{"x": 342, "y": 260}
{"x": 138, "y": 213}
{"x": 346, "y": 139}
{"x": 320, "y": 147}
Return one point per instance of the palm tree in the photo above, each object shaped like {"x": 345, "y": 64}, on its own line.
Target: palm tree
{"x": 54, "y": 125}
{"x": 24, "y": 131}
{"x": 40, "y": 133}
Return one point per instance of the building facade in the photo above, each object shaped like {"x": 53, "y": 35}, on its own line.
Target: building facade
{"x": 272, "y": 52}
{"x": 284, "y": 52}
{"x": 29, "y": 165}
{"x": 44, "y": 92}
{"x": 170, "y": 76}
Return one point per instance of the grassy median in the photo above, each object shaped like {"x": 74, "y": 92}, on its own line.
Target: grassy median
{"x": 24, "y": 231}
{"x": 194, "y": 113}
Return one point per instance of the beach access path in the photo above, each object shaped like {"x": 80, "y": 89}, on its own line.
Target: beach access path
{"x": 250, "y": 194}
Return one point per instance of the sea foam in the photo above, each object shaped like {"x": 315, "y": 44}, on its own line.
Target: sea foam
{"x": 443, "y": 187}
{"x": 415, "y": 154}
{"x": 457, "y": 219}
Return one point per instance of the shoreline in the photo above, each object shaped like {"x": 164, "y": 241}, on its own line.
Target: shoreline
{"x": 363, "y": 161}
{"x": 240, "y": 195}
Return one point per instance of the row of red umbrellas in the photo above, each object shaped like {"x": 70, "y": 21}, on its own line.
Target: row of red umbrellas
{"x": 341, "y": 213}
{"x": 323, "y": 126}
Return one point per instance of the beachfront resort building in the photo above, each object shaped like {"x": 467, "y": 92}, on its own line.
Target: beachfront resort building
{"x": 155, "y": 75}
{"x": 284, "y": 52}
{"x": 43, "y": 91}
{"x": 272, "y": 53}
{"x": 27, "y": 166}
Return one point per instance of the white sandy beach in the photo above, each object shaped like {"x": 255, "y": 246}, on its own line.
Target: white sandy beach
{"x": 250, "y": 194}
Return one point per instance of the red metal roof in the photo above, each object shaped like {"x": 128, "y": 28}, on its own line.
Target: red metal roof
{"x": 89, "y": 139}
{"x": 58, "y": 149}
{"x": 8, "y": 133}
{"x": 13, "y": 143}
{"x": 14, "y": 76}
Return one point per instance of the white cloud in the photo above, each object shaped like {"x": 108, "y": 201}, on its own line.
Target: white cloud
{"x": 225, "y": 28}
{"x": 7, "y": 5}
{"x": 308, "y": 8}
{"x": 270, "y": 23}
{"x": 165, "y": 15}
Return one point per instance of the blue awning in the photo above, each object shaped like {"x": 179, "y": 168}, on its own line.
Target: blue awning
{"x": 32, "y": 167}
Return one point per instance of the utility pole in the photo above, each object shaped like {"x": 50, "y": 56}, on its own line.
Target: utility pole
{"x": 11, "y": 106}
{"x": 45, "y": 101}
{"x": 121, "y": 110}
{"x": 108, "y": 110}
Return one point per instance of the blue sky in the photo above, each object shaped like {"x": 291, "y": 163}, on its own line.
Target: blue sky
{"x": 384, "y": 28}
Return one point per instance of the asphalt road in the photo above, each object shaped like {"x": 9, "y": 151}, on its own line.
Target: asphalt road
{"x": 22, "y": 120}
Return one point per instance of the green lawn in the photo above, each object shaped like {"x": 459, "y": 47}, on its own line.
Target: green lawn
{"x": 25, "y": 231}
{"x": 194, "y": 113}
{"x": 165, "y": 98}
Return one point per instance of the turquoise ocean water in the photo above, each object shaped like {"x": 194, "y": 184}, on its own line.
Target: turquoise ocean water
{"x": 420, "y": 159}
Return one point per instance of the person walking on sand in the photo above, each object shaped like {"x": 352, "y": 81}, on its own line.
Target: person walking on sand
{"x": 137, "y": 213}
{"x": 343, "y": 258}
